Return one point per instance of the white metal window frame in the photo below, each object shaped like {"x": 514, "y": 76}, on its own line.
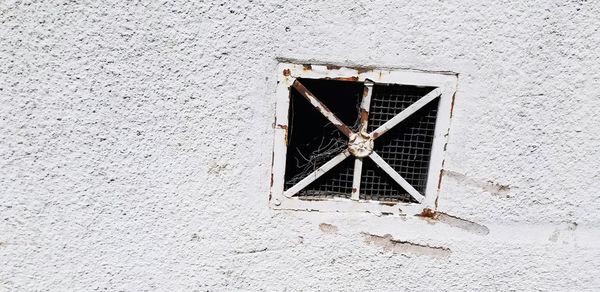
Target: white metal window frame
{"x": 445, "y": 84}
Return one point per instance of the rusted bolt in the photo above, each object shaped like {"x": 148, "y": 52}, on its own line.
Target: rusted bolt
{"x": 360, "y": 144}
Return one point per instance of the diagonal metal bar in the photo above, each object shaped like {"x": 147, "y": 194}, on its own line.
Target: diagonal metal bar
{"x": 406, "y": 113}
{"x": 316, "y": 174}
{"x": 358, "y": 163}
{"x": 365, "y": 104}
{"x": 396, "y": 176}
{"x": 322, "y": 108}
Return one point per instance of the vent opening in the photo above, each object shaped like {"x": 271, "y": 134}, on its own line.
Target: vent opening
{"x": 313, "y": 140}
{"x": 359, "y": 139}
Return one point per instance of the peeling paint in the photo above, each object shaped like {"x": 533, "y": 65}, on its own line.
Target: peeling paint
{"x": 454, "y": 221}
{"x": 390, "y": 244}
{"x": 328, "y": 228}
{"x": 285, "y": 129}
{"x": 490, "y": 186}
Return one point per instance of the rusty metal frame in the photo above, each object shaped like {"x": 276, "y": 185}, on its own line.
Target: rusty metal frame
{"x": 445, "y": 87}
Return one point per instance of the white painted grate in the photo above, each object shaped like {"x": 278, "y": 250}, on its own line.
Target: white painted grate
{"x": 357, "y": 138}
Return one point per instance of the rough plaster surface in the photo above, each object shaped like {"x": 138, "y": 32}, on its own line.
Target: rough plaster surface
{"x": 135, "y": 146}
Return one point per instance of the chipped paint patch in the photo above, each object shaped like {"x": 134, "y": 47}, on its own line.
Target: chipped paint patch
{"x": 489, "y": 186}
{"x": 328, "y": 228}
{"x": 470, "y": 226}
{"x": 390, "y": 244}
{"x": 565, "y": 233}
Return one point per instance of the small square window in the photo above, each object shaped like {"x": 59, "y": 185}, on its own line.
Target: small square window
{"x": 359, "y": 139}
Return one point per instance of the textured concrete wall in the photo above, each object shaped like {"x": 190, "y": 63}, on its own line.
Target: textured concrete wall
{"x": 135, "y": 146}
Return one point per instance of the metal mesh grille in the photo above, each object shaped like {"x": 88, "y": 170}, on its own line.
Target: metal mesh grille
{"x": 406, "y": 147}
{"x": 388, "y": 100}
{"x": 336, "y": 183}
{"x": 377, "y": 185}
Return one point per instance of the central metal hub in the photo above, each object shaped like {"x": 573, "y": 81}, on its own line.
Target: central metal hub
{"x": 360, "y": 144}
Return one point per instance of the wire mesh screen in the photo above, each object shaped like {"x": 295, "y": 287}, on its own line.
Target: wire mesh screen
{"x": 406, "y": 147}
{"x": 336, "y": 183}
{"x": 377, "y": 185}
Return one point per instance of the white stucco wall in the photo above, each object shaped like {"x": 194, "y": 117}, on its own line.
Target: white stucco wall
{"x": 136, "y": 139}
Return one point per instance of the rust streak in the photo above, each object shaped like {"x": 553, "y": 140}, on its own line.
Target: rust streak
{"x": 351, "y": 78}
{"x": 440, "y": 178}
{"x": 285, "y": 129}
{"x": 454, "y": 221}
{"x": 428, "y": 213}
{"x": 452, "y": 104}
{"x": 364, "y": 115}
{"x": 333, "y": 67}
{"x": 272, "y": 165}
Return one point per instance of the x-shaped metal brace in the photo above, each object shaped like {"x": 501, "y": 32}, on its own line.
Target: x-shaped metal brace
{"x": 360, "y": 144}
